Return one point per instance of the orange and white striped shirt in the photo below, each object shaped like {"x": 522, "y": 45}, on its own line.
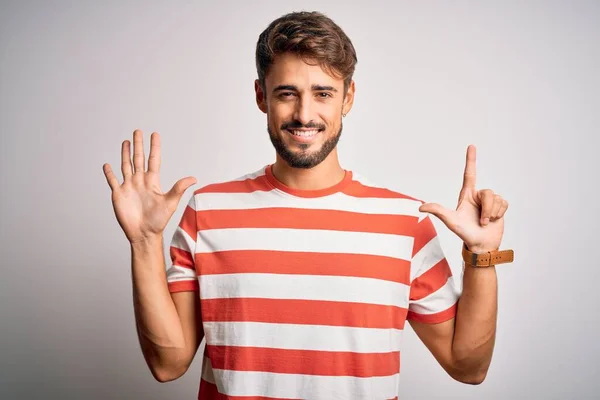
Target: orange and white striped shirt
{"x": 304, "y": 294}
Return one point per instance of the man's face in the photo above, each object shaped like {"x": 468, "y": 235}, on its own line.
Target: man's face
{"x": 304, "y": 107}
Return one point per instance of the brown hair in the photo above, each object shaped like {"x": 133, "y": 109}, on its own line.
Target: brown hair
{"x": 312, "y": 36}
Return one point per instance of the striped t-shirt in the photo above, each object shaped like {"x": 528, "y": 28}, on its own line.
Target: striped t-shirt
{"x": 304, "y": 293}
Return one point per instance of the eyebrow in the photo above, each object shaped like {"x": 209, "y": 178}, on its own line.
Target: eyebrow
{"x": 315, "y": 88}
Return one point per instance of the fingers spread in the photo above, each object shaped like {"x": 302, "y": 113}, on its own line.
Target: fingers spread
{"x": 138, "y": 151}
{"x": 174, "y": 195}
{"x": 154, "y": 158}
{"x": 126, "y": 168}
{"x": 110, "y": 177}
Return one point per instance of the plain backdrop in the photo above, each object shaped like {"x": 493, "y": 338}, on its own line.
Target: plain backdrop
{"x": 519, "y": 79}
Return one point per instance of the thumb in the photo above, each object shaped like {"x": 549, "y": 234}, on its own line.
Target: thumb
{"x": 436, "y": 209}
{"x": 178, "y": 189}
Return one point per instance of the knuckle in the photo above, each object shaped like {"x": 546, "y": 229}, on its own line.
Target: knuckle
{"x": 138, "y": 180}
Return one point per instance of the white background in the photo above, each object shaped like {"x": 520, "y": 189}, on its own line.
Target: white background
{"x": 517, "y": 79}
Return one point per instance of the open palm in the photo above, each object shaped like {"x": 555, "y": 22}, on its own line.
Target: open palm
{"x": 141, "y": 208}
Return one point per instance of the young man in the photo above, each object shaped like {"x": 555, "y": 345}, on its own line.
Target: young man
{"x": 301, "y": 274}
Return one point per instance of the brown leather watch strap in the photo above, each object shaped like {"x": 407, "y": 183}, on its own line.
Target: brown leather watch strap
{"x": 487, "y": 259}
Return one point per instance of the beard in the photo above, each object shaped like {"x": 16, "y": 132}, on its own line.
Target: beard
{"x": 303, "y": 158}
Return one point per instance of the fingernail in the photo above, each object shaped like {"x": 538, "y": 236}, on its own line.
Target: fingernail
{"x": 486, "y": 221}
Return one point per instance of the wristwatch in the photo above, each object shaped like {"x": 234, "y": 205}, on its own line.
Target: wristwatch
{"x": 487, "y": 259}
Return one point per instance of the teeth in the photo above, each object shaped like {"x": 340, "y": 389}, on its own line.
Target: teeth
{"x": 305, "y": 133}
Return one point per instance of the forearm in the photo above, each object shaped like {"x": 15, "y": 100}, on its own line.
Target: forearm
{"x": 475, "y": 324}
{"x": 158, "y": 325}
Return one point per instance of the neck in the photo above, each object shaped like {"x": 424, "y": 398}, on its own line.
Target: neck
{"x": 326, "y": 174}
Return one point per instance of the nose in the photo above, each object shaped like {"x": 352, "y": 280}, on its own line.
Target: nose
{"x": 302, "y": 111}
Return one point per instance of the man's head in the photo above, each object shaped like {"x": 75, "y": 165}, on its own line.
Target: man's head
{"x": 305, "y": 64}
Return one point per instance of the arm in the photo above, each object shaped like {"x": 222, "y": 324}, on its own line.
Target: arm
{"x": 464, "y": 345}
{"x": 168, "y": 324}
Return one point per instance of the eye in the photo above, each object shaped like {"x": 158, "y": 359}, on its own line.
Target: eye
{"x": 285, "y": 94}
{"x": 324, "y": 95}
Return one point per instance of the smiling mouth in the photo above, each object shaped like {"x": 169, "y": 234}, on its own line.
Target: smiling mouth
{"x": 304, "y": 133}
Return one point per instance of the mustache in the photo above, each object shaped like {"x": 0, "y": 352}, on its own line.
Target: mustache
{"x": 300, "y": 125}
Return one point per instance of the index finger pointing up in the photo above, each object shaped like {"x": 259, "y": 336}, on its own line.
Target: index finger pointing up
{"x": 469, "y": 175}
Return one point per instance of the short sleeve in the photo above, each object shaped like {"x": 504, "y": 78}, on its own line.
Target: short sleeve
{"x": 181, "y": 274}
{"x": 433, "y": 295}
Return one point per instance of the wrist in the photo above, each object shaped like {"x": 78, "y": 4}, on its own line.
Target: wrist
{"x": 483, "y": 257}
{"x": 146, "y": 242}
{"x": 480, "y": 249}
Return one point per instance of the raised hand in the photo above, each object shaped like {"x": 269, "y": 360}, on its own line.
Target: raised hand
{"x": 140, "y": 206}
{"x": 479, "y": 216}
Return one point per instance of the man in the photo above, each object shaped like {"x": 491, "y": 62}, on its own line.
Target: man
{"x": 301, "y": 275}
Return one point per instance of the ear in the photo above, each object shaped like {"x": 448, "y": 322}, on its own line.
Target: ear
{"x": 260, "y": 96}
{"x": 349, "y": 98}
